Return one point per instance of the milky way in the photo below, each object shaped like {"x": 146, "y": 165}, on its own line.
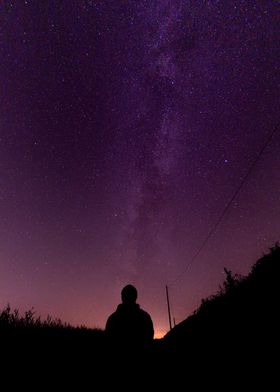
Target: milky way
{"x": 125, "y": 128}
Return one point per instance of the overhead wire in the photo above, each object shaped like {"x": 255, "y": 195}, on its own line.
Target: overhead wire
{"x": 227, "y": 206}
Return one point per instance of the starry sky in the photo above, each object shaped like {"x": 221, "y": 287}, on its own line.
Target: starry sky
{"x": 125, "y": 129}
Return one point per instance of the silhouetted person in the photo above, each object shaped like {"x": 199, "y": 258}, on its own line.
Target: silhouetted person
{"x": 130, "y": 326}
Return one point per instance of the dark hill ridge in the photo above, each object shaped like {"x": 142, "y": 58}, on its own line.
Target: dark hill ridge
{"x": 236, "y": 328}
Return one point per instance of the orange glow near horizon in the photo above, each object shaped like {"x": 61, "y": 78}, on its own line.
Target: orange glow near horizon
{"x": 159, "y": 334}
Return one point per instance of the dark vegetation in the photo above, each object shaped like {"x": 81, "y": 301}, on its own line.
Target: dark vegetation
{"x": 12, "y": 321}
{"x": 244, "y": 308}
{"x": 234, "y": 333}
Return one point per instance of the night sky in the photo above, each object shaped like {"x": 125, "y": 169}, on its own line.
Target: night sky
{"x": 125, "y": 129}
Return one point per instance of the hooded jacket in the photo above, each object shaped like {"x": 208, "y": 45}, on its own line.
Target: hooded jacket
{"x": 129, "y": 324}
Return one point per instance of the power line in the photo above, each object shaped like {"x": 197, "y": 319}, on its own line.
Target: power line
{"x": 228, "y": 205}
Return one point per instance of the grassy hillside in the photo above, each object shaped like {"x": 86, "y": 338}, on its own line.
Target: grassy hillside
{"x": 242, "y": 307}
{"x": 234, "y": 332}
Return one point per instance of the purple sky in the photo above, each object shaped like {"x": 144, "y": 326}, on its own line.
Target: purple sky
{"x": 125, "y": 128}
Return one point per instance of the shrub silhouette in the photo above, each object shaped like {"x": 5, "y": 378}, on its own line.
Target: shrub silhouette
{"x": 11, "y": 319}
{"x": 235, "y": 328}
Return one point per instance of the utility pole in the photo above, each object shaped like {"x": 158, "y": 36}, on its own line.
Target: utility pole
{"x": 168, "y": 307}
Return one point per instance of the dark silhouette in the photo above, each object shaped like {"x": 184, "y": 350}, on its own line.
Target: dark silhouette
{"x": 231, "y": 340}
{"x": 129, "y": 325}
{"x": 235, "y": 331}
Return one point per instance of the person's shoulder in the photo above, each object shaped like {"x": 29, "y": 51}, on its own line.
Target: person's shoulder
{"x": 145, "y": 314}
{"x": 112, "y": 317}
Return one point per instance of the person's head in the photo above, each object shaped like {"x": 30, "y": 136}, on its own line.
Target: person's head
{"x": 129, "y": 294}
